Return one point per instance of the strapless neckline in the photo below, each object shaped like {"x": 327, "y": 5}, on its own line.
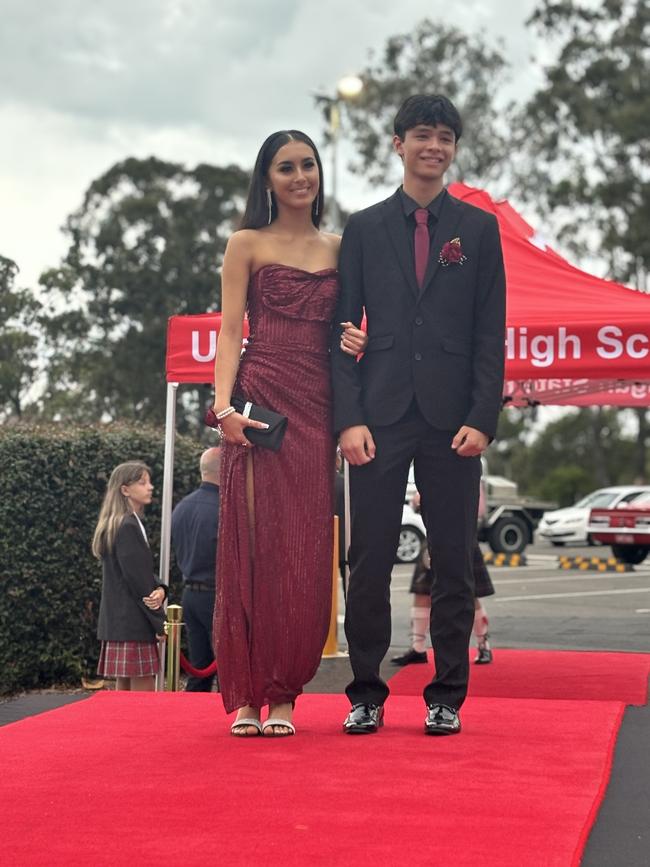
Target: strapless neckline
{"x": 294, "y": 268}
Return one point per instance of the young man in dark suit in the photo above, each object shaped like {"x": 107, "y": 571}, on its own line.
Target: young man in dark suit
{"x": 428, "y": 271}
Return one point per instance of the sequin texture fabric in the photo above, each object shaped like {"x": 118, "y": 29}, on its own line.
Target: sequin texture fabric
{"x": 274, "y": 579}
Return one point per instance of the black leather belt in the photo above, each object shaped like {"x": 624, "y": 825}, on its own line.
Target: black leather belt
{"x": 199, "y": 585}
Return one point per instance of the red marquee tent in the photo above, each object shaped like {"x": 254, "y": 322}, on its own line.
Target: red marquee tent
{"x": 572, "y": 338}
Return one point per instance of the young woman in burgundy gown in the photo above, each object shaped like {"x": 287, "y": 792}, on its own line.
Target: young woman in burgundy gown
{"x": 275, "y": 530}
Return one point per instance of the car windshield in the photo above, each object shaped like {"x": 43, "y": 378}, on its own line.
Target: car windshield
{"x": 597, "y": 500}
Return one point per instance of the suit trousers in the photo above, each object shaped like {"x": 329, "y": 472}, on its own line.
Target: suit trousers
{"x": 198, "y": 611}
{"x": 449, "y": 486}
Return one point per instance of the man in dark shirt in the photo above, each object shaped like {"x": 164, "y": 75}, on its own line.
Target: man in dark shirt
{"x": 195, "y": 523}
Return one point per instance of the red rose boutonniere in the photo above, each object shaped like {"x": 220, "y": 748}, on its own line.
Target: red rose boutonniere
{"x": 452, "y": 253}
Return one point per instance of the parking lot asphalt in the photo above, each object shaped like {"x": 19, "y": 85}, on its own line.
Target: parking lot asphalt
{"x": 540, "y": 605}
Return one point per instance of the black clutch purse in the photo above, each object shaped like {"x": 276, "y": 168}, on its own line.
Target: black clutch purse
{"x": 268, "y": 438}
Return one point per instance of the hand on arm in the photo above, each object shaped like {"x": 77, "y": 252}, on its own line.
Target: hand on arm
{"x": 353, "y": 339}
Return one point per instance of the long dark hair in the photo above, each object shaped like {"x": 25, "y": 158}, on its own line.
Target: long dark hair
{"x": 115, "y": 506}
{"x": 256, "y": 213}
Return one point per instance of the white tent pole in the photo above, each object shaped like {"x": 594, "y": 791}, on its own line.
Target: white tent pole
{"x": 166, "y": 505}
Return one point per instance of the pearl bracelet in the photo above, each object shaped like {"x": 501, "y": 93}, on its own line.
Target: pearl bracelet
{"x": 225, "y": 413}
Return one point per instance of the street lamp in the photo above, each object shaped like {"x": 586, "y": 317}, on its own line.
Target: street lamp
{"x": 347, "y": 88}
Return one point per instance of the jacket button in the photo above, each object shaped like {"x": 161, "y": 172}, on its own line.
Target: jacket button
{"x": 418, "y": 356}
{"x": 419, "y": 320}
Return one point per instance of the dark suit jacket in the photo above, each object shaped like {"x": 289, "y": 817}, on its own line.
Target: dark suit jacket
{"x": 127, "y": 576}
{"x": 443, "y": 343}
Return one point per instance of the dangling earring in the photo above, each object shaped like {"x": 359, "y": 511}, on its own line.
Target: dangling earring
{"x": 316, "y": 206}
{"x": 269, "y": 202}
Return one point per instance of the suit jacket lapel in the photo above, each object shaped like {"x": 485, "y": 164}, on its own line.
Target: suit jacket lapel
{"x": 397, "y": 229}
{"x": 449, "y": 217}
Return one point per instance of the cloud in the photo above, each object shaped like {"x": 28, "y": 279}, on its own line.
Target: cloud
{"x": 83, "y": 85}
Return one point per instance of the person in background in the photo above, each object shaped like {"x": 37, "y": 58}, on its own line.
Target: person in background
{"x": 130, "y": 612}
{"x": 421, "y": 585}
{"x": 195, "y": 526}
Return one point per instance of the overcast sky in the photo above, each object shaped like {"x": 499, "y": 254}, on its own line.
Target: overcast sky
{"x": 85, "y": 83}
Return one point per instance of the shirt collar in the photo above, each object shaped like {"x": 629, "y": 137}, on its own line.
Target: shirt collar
{"x": 410, "y": 205}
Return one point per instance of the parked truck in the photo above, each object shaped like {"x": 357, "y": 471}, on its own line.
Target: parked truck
{"x": 507, "y": 520}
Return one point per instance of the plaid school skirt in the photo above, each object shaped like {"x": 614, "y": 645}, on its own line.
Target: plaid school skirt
{"x": 422, "y": 580}
{"x": 128, "y": 659}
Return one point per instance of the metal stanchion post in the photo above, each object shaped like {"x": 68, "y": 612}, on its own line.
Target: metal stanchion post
{"x": 332, "y": 643}
{"x": 173, "y": 627}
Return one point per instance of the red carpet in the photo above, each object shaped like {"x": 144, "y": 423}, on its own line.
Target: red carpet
{"x": 149, "y": 779}
{"x": 553, "y": 674}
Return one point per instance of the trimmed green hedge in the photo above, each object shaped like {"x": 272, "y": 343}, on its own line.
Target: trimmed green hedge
{"x": 52, "y": 482}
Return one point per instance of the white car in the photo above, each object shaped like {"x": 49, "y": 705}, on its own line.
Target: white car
{"x": 411, "y": 536}
{"x": 570, "y": 524}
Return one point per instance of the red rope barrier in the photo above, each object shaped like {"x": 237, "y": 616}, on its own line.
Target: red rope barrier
{"x": 188, "y": 668}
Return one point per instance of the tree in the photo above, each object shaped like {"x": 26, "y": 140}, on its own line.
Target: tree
{"x": 565, "y": 485}
{"x": 585, "y": 449}
{"x": 18, "y": 341}
{"x": 146, "y": 243}
{"x": 433, "y": 58}
{"x": 585, "y": 132}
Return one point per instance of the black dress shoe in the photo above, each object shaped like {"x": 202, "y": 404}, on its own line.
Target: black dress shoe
{"x": 483, "y": 655}
{"x": 363, "y": 719}
{"x": 441, "y": 720}
{"x": 409, "y": 657}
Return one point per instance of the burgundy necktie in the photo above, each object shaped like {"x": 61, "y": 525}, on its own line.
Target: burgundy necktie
{"x": 422, "y": 242}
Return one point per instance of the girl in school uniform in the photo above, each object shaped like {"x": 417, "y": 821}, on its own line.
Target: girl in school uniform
{"x": 130, "y": 613}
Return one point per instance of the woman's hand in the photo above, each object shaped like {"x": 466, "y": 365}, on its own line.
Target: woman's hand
{"x": 232, "y": 429}
{"x": 353, "y": 339}
{"x": 154, "y": 600}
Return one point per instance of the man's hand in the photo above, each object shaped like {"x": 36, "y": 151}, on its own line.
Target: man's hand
{"x": 357, "y": 445}
{"x": 469, "y": 442}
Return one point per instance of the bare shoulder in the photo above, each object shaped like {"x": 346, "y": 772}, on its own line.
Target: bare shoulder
{"x": 333, "y": 241}
{"x": 243, "y": 241}
{"x": 241, "y": 250}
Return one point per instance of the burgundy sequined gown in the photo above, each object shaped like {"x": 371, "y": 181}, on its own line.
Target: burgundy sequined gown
{"x": 273, "y": 603}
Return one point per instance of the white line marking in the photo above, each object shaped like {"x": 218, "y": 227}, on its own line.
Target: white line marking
{"x": 494, "y": 599}
{"x": 568, "y": 576}
{"x": 642, "y": 611}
